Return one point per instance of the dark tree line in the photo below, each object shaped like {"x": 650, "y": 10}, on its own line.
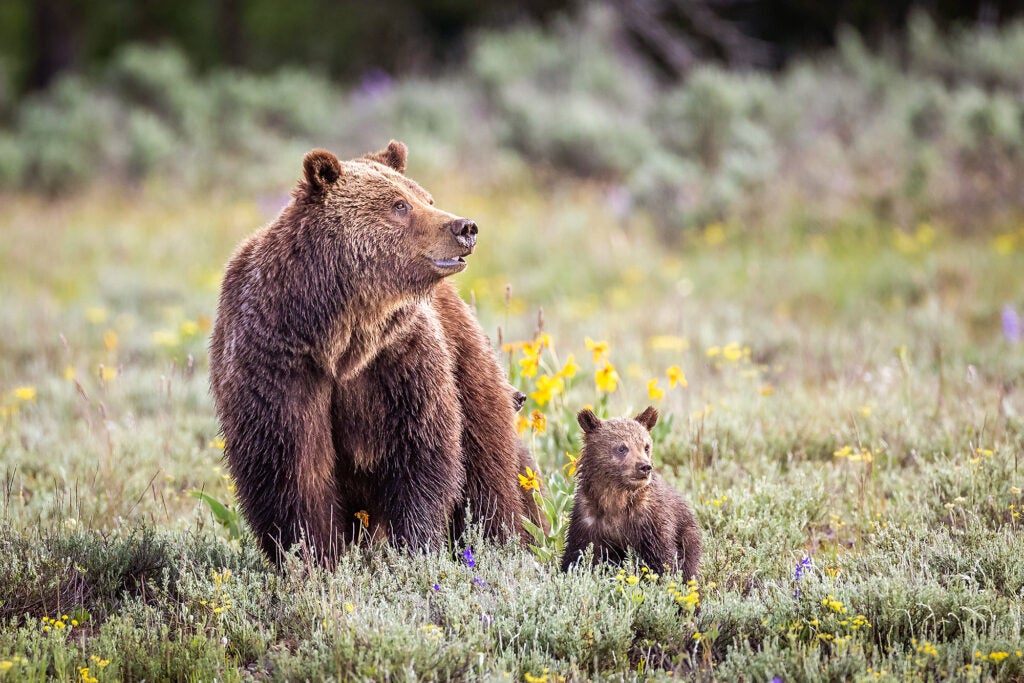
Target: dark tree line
{"x": 344, "y": 38}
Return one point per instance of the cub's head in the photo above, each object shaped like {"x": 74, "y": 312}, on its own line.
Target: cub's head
{"x": 617, "y": 452}
{"x": 384, "y": 225}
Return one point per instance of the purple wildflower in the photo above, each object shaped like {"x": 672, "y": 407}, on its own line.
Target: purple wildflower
{"x": 436, "y": 587}
{"x": 801, "y": 567}
{"x": 477, "y": 581}
{"x": 1012, "y": 328}
{"x": 467, "y": 555}
{"x": 776, "y": 679}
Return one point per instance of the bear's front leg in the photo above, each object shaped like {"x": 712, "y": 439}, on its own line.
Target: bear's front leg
{"x": 399, "y": 421}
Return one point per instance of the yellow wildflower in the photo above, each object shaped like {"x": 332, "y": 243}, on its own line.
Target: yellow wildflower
{"x": 664, "y": 342}
{"x": 110, "y": 340}
{"x": 5, "y": 665}
{"x": 25, "y": 393}
{"x": 654, "y": 392}
{"x": 522, "y": 424}
{"x": 69, "y": 373}
{"x": 998, "y": 656}
{"x": 598, "y": 348}
{"x": 364, "y": 518}
{"x": 530, "y": 481}
{"x": 606, "y": 378}
{"x": 1004, "y": 244}
{"x": 217, "y": 442}
{"x": 833, "y": 604}
{"x": 570, "y": 368}
{"x": 676, "y": 376}
{"x": 107, "y": 373}
{"x": 714, "y": 234}
{"x": 165, "y": 338}
{"x": 349, "y": 607}
{"x": 570, "y": 467}
{"x": 190, "y": 328}
{"x": 530, "y": 362}
{"x": 538, "y": 421}
{"x": 96, "y": 315}
{"x": 766, "y": 389}
{"x": 547, "y": 388}
{"x": 732, "y": 352}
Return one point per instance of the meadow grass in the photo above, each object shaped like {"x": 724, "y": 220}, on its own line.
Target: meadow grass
{"x": 848, "y": 432}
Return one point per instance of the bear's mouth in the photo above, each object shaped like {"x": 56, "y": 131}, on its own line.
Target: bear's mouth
{"x": 457, "y": 262}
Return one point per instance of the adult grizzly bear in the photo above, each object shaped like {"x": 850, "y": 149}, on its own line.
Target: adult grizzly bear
{"x": 621, "y": 503}
{"x": 349, "y": 375}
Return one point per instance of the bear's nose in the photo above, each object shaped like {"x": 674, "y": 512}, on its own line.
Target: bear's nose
{"x": 644, "y": 468}
{"x": 465, "y": 231}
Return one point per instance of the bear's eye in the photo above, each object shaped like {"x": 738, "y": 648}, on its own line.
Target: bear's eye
{"x": 401, "y": 207}
{"x": 622, "y": 450}
{"x": 647, "y": 448}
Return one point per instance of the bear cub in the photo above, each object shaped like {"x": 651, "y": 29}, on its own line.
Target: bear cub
{"x": 622, "y": 503}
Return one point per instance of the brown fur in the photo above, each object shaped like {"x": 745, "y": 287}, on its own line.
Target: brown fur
{"x": 348, "y": 375}
{"x": 622, "y": 504}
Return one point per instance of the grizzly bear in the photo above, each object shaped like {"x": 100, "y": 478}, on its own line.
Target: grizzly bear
{"x": 349, "y": 376}
{"x": 622, "y": 503}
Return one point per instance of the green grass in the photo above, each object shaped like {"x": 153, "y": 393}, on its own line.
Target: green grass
{"x": 858, "y": 337}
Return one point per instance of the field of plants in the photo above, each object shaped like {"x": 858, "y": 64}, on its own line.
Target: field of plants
{"x": 816, "y": 276}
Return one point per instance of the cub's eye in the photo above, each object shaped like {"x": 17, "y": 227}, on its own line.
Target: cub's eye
{"x": 622, "y": 450}
{"x": 401, "y": 207}
{"x": 647, "y": 448}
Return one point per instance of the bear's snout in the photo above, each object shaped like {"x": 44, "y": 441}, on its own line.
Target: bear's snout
{"x": 644, "y": 468}
{"x": 465, "y": 232}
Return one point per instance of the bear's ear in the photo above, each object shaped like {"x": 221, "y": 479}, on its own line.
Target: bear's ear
{"x": 588, "y": 420}
{"x": 321, "y": 168}
{"x": 648, "y": 418}
{"x": 393, "y": 156}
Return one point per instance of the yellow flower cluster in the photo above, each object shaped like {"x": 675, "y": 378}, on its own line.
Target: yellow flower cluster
{"x": 731, "y": 352}
{"x": 220, "y": 602}
{"x": 914, "y": 242}
{"x": 691, "y": 598}
{"x": 833, "y": 604}
{"x": 7, "y": 664}
{"x": 854, "y": 454}
{"x": 544, "y": 677}
{"x": 924, "y": 648}
{"x": 996, "y": 656}
{"x": 61, "y": 623}
{"x": 364, "y": 518}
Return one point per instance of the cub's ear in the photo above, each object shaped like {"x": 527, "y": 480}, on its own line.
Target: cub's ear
{"x": 393, "y": 156}
{"x": 321, "y": 168}
{"x": 588, "y": 420}
{"x": 648, "y": 418}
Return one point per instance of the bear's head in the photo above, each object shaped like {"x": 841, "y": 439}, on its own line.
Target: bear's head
{"x": 617, "y": 452}
{"x": 382, "y": 226}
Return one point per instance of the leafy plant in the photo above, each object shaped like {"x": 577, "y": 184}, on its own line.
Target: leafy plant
{"x": 556, "y": 506}
{"x": 223, "y": 514}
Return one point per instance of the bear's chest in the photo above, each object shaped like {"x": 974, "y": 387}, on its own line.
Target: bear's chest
{"x": 357, "y": 341}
